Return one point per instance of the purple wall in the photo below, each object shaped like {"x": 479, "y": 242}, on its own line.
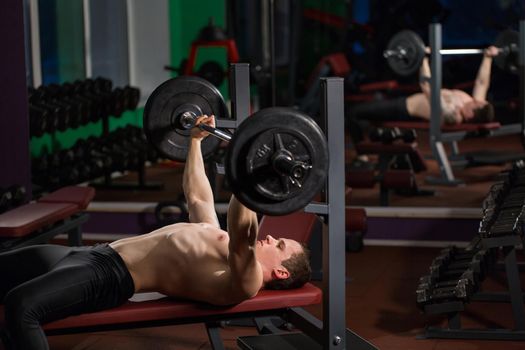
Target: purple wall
{"x": 14, "y": 119}
{"x": 461, "y": 230}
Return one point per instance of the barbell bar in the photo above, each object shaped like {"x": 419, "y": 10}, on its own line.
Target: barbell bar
{"x": 401, "y": 52}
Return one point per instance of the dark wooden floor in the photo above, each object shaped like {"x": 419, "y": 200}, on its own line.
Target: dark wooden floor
{"x": 380, "y": 306}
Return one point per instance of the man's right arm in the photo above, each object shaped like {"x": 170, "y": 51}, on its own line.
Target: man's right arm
{"x": 197, "y": 189}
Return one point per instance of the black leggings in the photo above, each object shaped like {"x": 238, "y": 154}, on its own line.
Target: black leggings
{"x": 44, "y": 283}
{"x": 375, "y": 111}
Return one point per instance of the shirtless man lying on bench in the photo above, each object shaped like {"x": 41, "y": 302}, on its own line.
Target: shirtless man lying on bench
{"x": 196, "y": 260}
{"x": 456, "y": 105}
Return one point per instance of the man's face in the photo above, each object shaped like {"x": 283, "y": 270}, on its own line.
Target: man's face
{"x": 271, "y": 252}
{"x": 467, "y": 111}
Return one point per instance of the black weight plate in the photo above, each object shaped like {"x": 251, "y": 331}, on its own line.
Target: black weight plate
{"x": 414, "y": 48}
{"x": 249, "y": 154}
{"x": 509, "y": 60}
{"x": 270, "y": 182}
{"x": 168, "y": 101}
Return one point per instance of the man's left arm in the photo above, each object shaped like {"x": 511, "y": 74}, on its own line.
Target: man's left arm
{"x": 482, "y": 83}
{"x": 246, "y": 272}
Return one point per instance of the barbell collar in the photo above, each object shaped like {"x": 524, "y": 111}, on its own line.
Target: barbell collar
{"x": 284, "y": 163}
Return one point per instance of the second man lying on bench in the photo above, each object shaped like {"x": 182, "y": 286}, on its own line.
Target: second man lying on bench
{"x": 457, "y": 106}
{"x": 196, "y": 260}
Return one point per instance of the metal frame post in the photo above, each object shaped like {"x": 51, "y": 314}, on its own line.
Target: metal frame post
{"x": 435, "y": 137}
{"x": 240, "y": 95}
{"x": 521, "y": 67}
{"x": 334, "y": 318}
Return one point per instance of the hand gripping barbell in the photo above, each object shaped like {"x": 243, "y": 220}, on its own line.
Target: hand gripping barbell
{"x": 405, "y": 52}
{"x": 276, "y": 160}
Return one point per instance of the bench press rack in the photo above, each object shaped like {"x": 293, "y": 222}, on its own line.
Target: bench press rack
{"x": 437, "y": 137}
{"x": 331, "y": 332}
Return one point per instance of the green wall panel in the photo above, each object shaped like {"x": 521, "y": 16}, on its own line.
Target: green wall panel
{"x": 187, "y": 18}
{"x": 70, "y": 46}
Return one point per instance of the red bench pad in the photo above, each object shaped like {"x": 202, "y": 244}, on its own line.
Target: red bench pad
{"x": 355, "y": 220}
{"x": 424, "y": 125}
{"x": 31, "y": 217}
{"x": 166, "y": 308}
{"x": 298, "y": 226}
{"x": 366, "y": 147}
{"x": 81, "y": 196}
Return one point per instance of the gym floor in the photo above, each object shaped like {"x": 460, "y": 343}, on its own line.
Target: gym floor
{"x": 380, "y": 306}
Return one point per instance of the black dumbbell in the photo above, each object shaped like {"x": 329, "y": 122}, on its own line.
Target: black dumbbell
{"x": 102, "y": 84}
{"x": 38, "y": 120}
{"x": 59, "y": 113}
{"x": 118, "y": 102}
{"x": 92, "y": 110}
{"x": 5, "y": 200}
{"x": 99, "y": 92}
{"x": 83, "y": 106}
{"x": 18, "y": 194}
{"x": 132, "y": 97}
{"x": 134, "y": 138}
{"x": 389, "y": 135}
{"x": 100, "y": 104}
{"x": 79, "y": 108}
{"x": 65, "y": 108}
{"x": 462, "y": 291}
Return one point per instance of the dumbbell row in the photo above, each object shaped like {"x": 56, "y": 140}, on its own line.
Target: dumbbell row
{"x": 124, "y": 149}
{"x": 455, "y": 279}
{"x": 450, "y": 265}
{"x": 504, "y": 204}
{"x": 59, "y": 107}
{"x": 455, "y": 290}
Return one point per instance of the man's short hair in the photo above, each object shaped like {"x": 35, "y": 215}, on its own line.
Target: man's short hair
{"x": 483, "y": 114}
{"x": 298, "y": 265}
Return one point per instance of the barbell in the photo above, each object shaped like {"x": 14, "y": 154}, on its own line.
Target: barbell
{"x": 405, "y": 52}
{"x": 276, "y": 160}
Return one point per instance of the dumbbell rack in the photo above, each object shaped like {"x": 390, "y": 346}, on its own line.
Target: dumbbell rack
{"x": 107, "y": 180}
{"x": 489, "y": 240}
{"x": 514, "y": 296}
{"x": 331, "y": 332}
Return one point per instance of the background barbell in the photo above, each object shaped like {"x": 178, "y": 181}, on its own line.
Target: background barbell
{"x": 405, "y": 52}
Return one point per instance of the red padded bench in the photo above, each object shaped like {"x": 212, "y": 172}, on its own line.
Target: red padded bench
{"x": 58, "y": 212}
{"x": 168, "y": 311}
